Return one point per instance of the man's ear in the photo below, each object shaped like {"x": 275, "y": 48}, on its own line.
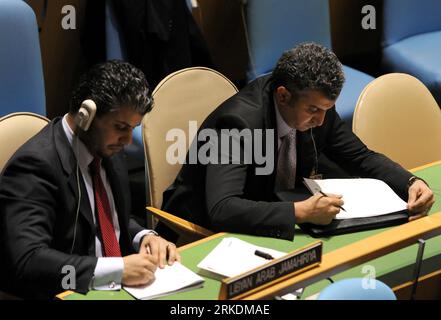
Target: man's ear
{"x": 283, "y": 96}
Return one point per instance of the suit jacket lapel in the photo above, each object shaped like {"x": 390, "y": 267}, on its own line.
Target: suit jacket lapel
{"x": 69, "y": 164}
{"x": 270, "y": 124}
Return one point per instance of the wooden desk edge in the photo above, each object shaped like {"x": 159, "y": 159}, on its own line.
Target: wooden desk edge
{"x": 359, "y": 252}
{"x": 63, "y": 295}
{"x": 425, "y": 166}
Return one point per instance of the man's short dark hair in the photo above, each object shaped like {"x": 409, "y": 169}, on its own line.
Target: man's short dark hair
{"x": 309, "y": 66}
{"x": 111, "y": 85}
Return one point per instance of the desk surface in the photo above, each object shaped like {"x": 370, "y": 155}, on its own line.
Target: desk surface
{"x": 193, "y": 253}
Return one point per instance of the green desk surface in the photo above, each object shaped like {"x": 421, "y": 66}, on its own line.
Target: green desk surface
{"x": 399, "y": 260}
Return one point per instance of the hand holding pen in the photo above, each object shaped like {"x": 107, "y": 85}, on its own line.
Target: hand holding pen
{"x": 325, "y": 195}
{"x": 319, "y": 209}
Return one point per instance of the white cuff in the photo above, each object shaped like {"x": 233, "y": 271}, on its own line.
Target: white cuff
{"x": 137, "y": 240}
{"x": 108, "y": 274}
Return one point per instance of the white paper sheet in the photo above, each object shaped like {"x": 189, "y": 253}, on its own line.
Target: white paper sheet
{"x": 169, "y": 280}
{"x": 233, "y": 256}
{"x": 363, "y": 197}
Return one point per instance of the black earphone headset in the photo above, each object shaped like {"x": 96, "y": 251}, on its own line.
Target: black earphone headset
{"x": 83, "y": 120}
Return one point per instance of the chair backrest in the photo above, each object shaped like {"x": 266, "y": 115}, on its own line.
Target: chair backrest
{"x": 397, "y": 115}
{"x": 21, "y": 75}
{"x": 406, "y": 18}
{"x": 357, "y": 289}
{"x": 187, "y": 95}
{"x": 273, "y": 27}
{"x": 15, "y": 130}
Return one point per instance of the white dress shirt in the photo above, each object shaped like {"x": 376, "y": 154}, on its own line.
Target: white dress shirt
{"x": 109, "y": 270}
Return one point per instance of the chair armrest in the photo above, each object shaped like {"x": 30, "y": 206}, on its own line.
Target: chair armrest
{"x": 181, "y": 226}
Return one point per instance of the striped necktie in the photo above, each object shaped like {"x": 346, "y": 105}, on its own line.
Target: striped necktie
{"x": 286, "y": 163}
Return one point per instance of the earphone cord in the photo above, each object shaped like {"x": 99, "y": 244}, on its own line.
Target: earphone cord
{"x": 79, "y": 193}
{"x": 315, "y": 150}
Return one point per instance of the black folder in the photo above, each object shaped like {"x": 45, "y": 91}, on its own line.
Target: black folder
{"x": 337, "y": 227}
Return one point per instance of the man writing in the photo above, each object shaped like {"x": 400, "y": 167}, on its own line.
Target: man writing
{"x": 64, "y": 197}
{"x": 297, "y": 102}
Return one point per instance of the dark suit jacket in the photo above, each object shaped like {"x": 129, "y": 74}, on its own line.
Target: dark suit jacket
{"x": 160, "y": 37}
{"x": 233, "y": 198}
{"x": 38, "y": 202}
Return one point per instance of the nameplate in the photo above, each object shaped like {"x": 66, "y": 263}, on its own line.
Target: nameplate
{"x": 275, "y": 271}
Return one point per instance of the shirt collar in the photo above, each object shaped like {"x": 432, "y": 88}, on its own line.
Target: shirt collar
{"x": 282, "y": 127}
{"x": 80, "y": 150}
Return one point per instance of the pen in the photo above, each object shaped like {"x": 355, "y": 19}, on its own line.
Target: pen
{"x": 324, "y": 194}
{"x": 264, "y": 255}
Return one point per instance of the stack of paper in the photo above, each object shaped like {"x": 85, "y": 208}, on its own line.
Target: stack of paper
{"x": 171, "y": 279}
{"x": 232, "y": 257}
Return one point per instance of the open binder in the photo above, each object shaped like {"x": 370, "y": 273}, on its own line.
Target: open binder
{"x": 370, "y": 202}
{"x": 337, "y": 227}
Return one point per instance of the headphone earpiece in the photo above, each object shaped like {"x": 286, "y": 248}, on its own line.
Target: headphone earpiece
{"x": 85, "y": 115}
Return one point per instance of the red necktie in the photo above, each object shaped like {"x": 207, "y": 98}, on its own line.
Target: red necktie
{"x": 110, "y": 243}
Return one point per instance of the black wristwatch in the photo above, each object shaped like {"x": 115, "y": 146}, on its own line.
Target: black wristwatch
{"x": 412, "y": 181}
